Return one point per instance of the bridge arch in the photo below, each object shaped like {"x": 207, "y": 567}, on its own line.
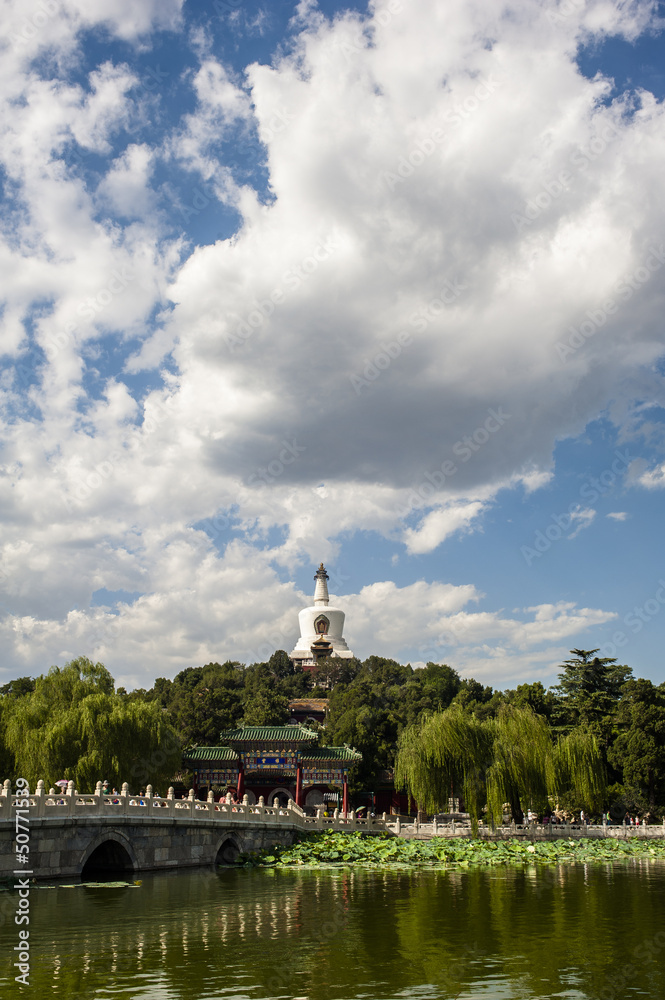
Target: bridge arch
{"x": 228, "y": 849}
{"x": 109, "y": 851}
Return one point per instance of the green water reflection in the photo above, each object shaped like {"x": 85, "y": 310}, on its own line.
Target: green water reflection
{"x": 573, "y": 932}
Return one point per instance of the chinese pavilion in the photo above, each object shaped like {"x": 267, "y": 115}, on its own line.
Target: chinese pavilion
{"x": 277, "y": 762}
{"x": 321, "y": 628}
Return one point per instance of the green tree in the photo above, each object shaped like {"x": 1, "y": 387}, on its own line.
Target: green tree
{"x": 372, "y": 708}
{"x": 588, "y": 692}
{"x": 18, "y": 687}
{"x": 201, "y": 701}
{"x": 7, "y": 762}
{"x": 533, "y": 696}
{"x": 334, "y": 670}
{"x": 638, "y": 750}
{"x": 264, "y": 704}
{"x": 473, "y": 696}
{"x": 74, "y": 725}
{"x": 510, "y": 758}
{"x": 266, "y": 707}
{"x": 280, "y": 665}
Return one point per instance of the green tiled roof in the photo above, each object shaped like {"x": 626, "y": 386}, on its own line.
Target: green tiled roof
{"x": 268, "y": 734}
{"x": 209, "y": 753}
{"x": 331, "y": 753}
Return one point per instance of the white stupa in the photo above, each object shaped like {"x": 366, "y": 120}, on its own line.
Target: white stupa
{"x": 321, "y": 628}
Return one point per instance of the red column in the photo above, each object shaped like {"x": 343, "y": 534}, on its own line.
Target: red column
{"x": 345, "y": 798}
{"x": 298, "y": 785}
{"x": 241, "y": 781}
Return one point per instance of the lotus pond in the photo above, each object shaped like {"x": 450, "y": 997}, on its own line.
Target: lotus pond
{"x": 389, "y": 852}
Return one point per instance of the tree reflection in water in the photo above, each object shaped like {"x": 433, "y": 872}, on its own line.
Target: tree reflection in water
{"x": 585, "y": 932}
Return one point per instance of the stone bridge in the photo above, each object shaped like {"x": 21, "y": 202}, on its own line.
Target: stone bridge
{"x": 70, "y": 833}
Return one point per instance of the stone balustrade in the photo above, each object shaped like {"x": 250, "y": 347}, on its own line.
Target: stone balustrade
{"x": 70, "y": 803}
{"x": 529, "y": 831}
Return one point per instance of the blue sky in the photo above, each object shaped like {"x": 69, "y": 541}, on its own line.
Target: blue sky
{"x": 377, "y": 284}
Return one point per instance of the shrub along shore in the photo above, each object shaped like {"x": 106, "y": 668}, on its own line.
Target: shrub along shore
{"x": 318, "y": 849}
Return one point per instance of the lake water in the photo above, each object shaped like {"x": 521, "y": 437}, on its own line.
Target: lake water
{"x": 568, "y": 932}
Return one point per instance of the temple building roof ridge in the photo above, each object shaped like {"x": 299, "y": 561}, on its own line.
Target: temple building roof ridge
{"x": 197, "y": 752}
{"x": 269, "y": 734}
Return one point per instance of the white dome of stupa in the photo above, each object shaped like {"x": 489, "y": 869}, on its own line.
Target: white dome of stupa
{"x": 321, "y": 627}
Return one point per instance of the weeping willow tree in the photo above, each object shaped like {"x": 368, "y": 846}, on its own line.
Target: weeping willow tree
{"x": 511, "y": 758}
{"x": 74, "y": 726}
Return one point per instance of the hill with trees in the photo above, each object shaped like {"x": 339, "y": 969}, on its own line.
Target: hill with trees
{"x": 73, "y": 723}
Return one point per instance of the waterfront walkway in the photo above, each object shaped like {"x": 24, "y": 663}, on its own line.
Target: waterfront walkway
{"x": 412, "y": 829}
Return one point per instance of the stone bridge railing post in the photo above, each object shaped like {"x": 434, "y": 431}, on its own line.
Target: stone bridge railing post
{"x": 70, "y": 794}
{"x": 39, "y": 795}
{"x": 6, "y": 799}
{"x": 124, "y": 797}
{"x": 192, "y": 802}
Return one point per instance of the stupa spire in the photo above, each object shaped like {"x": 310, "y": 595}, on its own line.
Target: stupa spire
{"x": 321, "y": 598}
{"x": 321, "y": 628}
